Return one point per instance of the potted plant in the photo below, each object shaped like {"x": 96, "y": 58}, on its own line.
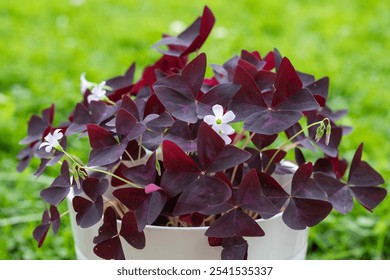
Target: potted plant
{"x": 177, "y": 153}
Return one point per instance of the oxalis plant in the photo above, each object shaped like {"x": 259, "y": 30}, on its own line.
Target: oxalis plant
{"x": 178, "y": 149}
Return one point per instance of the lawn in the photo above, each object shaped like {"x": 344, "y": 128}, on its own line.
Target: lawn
{"x": 46, "y": 45}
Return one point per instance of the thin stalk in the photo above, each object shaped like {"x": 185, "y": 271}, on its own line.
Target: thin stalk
{"x": 131, "y": 158}
{"x": 290, "y": 139}
{"x": 113, "y": 175}
{"x": 101, "y": 171}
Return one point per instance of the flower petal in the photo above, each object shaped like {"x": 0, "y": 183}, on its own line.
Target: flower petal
{"x": 226, "y": 138}
{"x": 84, "y": 84}
{"x": 210, "y": 119}
{"x": 228, "y": 117}
{"x": 43, "y": 144}
{"x": 48, "y": 148}
{"x": 92, "y": 97}
{"x": 226, "y": 129}
{"x": 218, "y": 111}
{"x": 216, "y": 127}
{"x": 58, "y": 134}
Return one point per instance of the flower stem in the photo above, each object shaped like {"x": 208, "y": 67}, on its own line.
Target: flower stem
{"x": 99, "y": 170}
{"x": 112, "y": 175}
{"x": 292, "y": 138}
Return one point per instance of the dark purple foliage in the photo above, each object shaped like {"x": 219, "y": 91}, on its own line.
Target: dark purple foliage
{"x": 192, "y": 38}
{"x": 90, "y": 210}
{"x": 60, "y": 188}
{"x": 108, "y": 244}
{"x": 50, "y": 218}
{"x": 155, "y": 160}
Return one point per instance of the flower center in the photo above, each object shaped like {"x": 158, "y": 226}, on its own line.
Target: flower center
{"x": 218, "y": 121}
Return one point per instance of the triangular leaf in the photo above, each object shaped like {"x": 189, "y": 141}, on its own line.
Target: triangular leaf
{"x": 203, "y": 193}
{"x": 129, "y": 231}
{"x": 234, "y": 224}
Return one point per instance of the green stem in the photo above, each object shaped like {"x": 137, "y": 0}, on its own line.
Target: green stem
{"x": 290, "y": 139}
{"x": 113, "y": 175}
{"x": 99, "y": 170}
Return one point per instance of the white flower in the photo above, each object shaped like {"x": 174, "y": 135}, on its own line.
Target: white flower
{"x": 84, "y": 83}
{"x": 97, "y": 93}
{"x": 52, "y": 141}
{"x": 219, "y": 122}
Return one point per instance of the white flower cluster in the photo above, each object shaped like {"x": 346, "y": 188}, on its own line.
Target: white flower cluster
{"x": 219, "y": 122}
{"x": 98, "y": 91}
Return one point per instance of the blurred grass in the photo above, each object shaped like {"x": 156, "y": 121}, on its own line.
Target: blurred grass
{"x": 45, "y": 45}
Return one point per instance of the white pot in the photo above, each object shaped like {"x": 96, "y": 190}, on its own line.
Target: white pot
{"x": 178, "y": 243}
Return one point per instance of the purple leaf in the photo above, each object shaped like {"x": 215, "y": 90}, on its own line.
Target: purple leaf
{"x": 50, "y": 218}
{"x": 190, "y": 39}
{"x": 143, "y": 174}
{"x": 177, "y": 104}
{"x": 121, "y": 82}
{"x": 369, "y": 197}
{"x": 93, "y": 187}
{"x": 319, "y": 89}
{"x": 175, "y": 182}
{"x": 99, "y": 137}
{"x": 178, "y": 93}
{"x": 129, "y": 105}
{"x": 182, "y": 134}
{"x": 40, "y": 233}
{"x": 209, "y": 144}
{"x": 127, "y": 126}
{"x": 38, "y": 125}
{"x": 262, "y": 141}
{"x": 146, "y": 206}
{"x": 105, "y": 148}
{"x": 234, "y": 224}
{"x": 213, "y": 155}
{"x": 229, "y": 157}
{"x": 59, "y": 189}
{"x": 265, "y": 80}
{"x": 201, "y": 194}
{"x": 361, "y": 173}
{"x": 129, "y": 231}
{"x": 271, "y": 122}
{"x": 193, "y": 73}
{"x": 272, "y": 190}
{"x": 301, "y": 213}
{"x": 300, "y": 101}
{"x": 364, "y": 175}
{"x": 248, "y": 99}
{"x": 250, "y": 196}
{"x": 307, "y": 205}
{"x": 176, "y": 160}
{"x": 338, "y": 193}
{"x": 101, "y": 112}
{"x": 106, "y": 155}
{"x": 220, "y": 94}
{"x": 303, "y": 186}
{"x": 88, "y": 213}
{"x": 287, "y": 82}
{"x": 234, "y": 248}
{"x": 132, "y": 198}
{"x": 110, "y": 249}
{"x": 108, "y": 243}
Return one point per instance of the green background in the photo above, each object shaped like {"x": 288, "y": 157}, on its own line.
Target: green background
{"x": 46, "y": 45}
